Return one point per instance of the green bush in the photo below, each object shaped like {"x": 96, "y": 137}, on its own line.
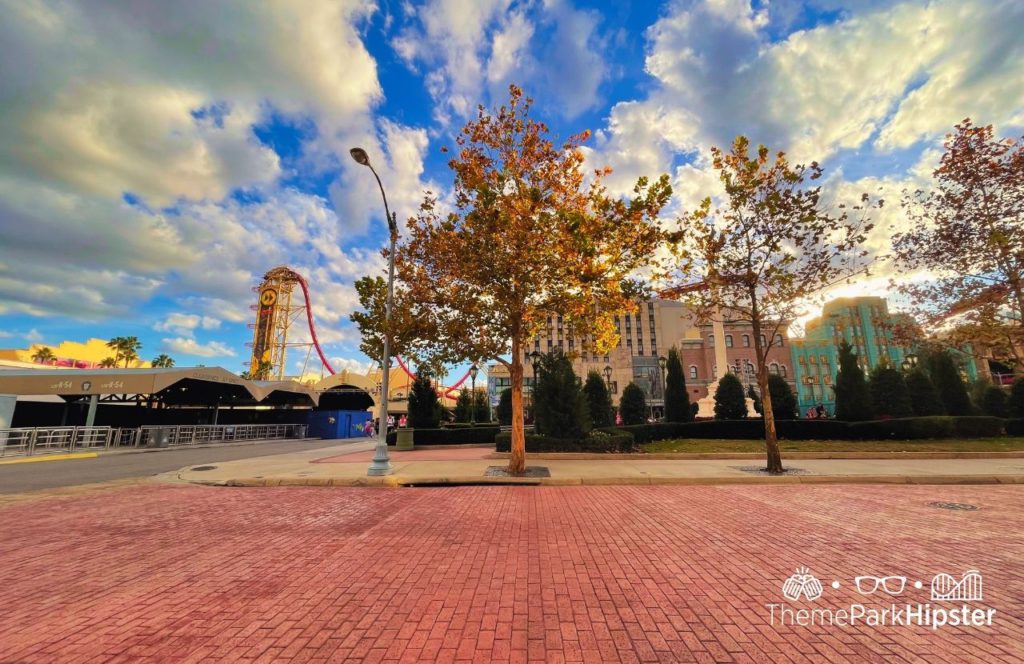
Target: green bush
{"x": 599, "y": 402}
{"x": 463, "y": 406}
{"x": 424, "y": 407}
{"x": 677, "y": 399}
{"x": 889, "y": 393}
{"x": 505, "y": 407}
{"x": 993, "y": 401}
{"x": 633, "y": 405}
{"x": 946, "y": 377}
{"x": 1015, "y": 427}
{"x": 481, "y": 406}
{"x": 479, "y": 435}
{"x": 595, "y": 441}
{"x": 853, "y": 398}
{"x": 559, "y": 409}
{"x": 1015, "y": 403}
{"x": 783, "y": 400}
{"x": 924, "y": 398}
{"x": 730, "y": 404}
{"x": 913, "y": 428}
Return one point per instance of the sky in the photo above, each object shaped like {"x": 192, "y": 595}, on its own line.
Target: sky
{"x": 157, "y": 158}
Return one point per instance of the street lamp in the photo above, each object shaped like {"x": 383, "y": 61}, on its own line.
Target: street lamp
{"x": 473, "y": 370}
{"x": 909, "y": 362}
{"x": 381, "y": 464}
{"x": 662, "y": 364}
{"x": 534, "y": 359}
{"x": 608, "y": 376}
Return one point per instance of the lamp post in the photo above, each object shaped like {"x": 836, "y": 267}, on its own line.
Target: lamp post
{"x": 533, "y": 358}
{"x": 909, "y": 362}
{"x": 662, "y": 364}
{"x": 472, "y": 405}
{"x": 381, "y": 464}
{"x": 608, "y": 377}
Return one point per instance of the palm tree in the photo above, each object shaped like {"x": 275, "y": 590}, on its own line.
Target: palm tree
{"x": 116, "y": 344}
{"x": 108, "y": 363}
{"x": 130, "y": 350}
{"x": 43, "y": 356}
{"x": 163, "y": 361}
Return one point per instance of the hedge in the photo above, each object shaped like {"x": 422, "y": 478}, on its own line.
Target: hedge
{"x": 1015, "y": 427}
{"x": 452, "y": 436}
{"x": 910, "y": 428}
{"x": 596, "y": 441}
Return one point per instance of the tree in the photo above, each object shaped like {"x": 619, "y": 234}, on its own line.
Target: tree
{"x": 1015, "y": 402}
{"x": 924, "y": 398}
{"x": 889, "y": 394}
{"x": 125, "y": 349}
{"x": 481, "y": 407}
{"x": 108, "y": 363}
{"x": 599, "y": 401}
{"x": 44, "y": 355}
{"x": 505, "y": 407}
{"x": 677, "y": 400}
{"x": 559, "y": 407}
{"x": 770, "y": 248}
{"x": 463, "y": 406}
{"x": 633, "y": 405}
{"x": 163, "y": 361}
{"x": 730, "y": 404}
{"x": 853, "y": 398}
{"x": 968, "y": 234}
{"x": 370, "y": 319}
{"x": 947, "y": 380}
{"x": 530, "y": 234}
{"x": 994, "y": 402}
{"x": 783, "y": 400}
{"x": 424, "y": 408}
{"x": 756, "y": 398}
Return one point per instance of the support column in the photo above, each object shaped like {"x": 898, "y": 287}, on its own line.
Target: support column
{"x": 90, "y": 416}
{"x": 7, "y": 404}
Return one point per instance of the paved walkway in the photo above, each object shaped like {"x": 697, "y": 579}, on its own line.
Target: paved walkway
{"x": 183, "y": 573}
{"x": 346, "y": 466}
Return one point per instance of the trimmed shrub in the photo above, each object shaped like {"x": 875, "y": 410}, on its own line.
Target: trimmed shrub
{"x": 853, "y": 398}
{"x": 424, "y": 407}
{"x": 463, "y": 406}
{"x": 505, "y": 407}
{"x": 1015, "y": 427}
{"x": 993, "y": 402}
{"x": 481, "y": 407}
{"x": 747, "y": 429}
{"x": 783, "y": 400}
{"x": 924, "y": 398}
{"x": 1015, "y": 403}
{"x": 950, "y": 386}
{"x": 599, "y": 402}
{"x": 889, "y": 393}
{"x": 465, "y": 435}
{"x": 595, "y": 441}
{"x": 730, "y": 404}
{"x": 911, "y": 428}
{"x": 559, "y": 409}
{"x": 633, "y": 405}
{"x": 677, "y": 400}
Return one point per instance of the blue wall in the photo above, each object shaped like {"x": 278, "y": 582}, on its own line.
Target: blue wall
{"x": 346, "y": 424}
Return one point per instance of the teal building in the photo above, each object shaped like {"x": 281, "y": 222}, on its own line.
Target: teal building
{"x": 863, "y": 322}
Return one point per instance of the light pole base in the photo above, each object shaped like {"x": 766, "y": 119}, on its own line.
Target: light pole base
{"x": 381, "y": 464}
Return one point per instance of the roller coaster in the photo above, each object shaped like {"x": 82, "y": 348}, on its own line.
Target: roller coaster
{"x": 276, "y": 314}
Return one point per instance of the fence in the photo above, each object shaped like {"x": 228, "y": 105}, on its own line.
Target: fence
{"x": 44, "y": 440}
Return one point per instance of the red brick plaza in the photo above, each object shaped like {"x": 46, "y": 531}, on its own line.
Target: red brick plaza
{"x": 181, "y": 573}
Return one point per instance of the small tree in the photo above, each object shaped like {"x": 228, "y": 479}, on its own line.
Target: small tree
{"x": 633, "y": 405}
{"x": 43, "y": 355}
{"x": 783, "y": 399}
{"x": 109, "y": 363}
{"x": 559, "y": 407}
{"x": 756, "y": 398}
{"x": 853, "y": 398}
{"x": 505, "y": 406}
{"x": 1015, "y": 403}
{"x": 677, "y": 401}
{"x": 889, "y": 394}
{"x": 730, "y": 404}
{"x": 924, "y": 398}
{"x": 950, "y": 385}
{"x": 163, "y": 361}
{"x": 463, "y": 406}
{"x": 994, "y": 402}
{"x": 481, "y": 407}
{"x": 599, "y": 402}
{"x": 424, "y": 407}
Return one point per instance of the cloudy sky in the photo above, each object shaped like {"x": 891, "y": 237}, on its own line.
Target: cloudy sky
{"x": 156, "y": 158}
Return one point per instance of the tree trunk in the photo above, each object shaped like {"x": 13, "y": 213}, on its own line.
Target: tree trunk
{"x": 771, "y": 438}
{"x": 517, "y": 462}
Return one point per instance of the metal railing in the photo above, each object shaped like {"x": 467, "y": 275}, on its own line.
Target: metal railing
{"x": 51, "y": 440}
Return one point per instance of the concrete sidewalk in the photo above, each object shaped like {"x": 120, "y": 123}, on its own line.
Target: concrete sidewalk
{"x": 346, "y": 465}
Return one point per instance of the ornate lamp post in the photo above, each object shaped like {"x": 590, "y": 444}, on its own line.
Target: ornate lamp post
{"x": 473, "y": 370}
{"x": 608, "y": 377}
{"x": 381, "y": 464}
{"x": 909, "y": 362}
{"x": 534, "y": 359}
{"x": 662, "y": 364}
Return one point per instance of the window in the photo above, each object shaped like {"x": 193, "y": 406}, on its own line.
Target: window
{"x": 746, "y": 341}
{"x": 778, "y": 339}
{"x": 824, "y": 359}
{"x": 764, "y": 342}
{"x": 774, "y": 368}
{"x": 814, "y": 359}
{"x": 728, "y": 341}
{"x": 711, "y": 341}
{"x": 782, "y": 370}
{"x": 693, "y": 371}
{"x": 802, "y": 359}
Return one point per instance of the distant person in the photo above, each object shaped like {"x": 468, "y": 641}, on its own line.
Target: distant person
{"x": 822, "y": 413}
{"x": 369, "y": 429}
{"x": 402, "y": 422}
{"x": 391, "y": 423}
{"x": 812, "y": 413}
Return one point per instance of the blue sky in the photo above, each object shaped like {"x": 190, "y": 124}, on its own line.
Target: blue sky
{"x": 157, "y": 158}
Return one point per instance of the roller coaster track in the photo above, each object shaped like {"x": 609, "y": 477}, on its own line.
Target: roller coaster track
{"x": 323, "y": 358}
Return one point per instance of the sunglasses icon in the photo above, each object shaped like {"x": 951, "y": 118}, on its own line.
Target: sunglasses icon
{"x": 892, "y": 585}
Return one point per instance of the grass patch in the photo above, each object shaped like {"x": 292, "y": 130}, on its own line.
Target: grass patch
{"x": 718, "y": 445}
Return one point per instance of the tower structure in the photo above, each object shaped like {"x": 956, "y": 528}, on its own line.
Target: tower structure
{"x": 276, "y": 312}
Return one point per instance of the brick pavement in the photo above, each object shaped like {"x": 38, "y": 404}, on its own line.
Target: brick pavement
{"x": 633, "y": 574}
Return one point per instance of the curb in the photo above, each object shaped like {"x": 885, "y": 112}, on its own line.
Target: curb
{"x": 49, "y": 457}
{"x": 747, "y": 456}
{"x": 396, "y": 481}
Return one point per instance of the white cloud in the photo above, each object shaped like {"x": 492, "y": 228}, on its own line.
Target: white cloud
{"x": 191, "y": 347}
{"x": 340, "y": 364}
{"x": 186, "y": 324}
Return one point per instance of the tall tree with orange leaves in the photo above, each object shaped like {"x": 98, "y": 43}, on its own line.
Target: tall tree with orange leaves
{"x": 529, "y": 235}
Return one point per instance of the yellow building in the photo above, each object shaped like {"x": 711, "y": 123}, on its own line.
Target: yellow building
{"x": 69, "y": 355}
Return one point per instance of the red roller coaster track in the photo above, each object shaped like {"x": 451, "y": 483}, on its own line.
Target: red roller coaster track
{"x": 320, "y": 351}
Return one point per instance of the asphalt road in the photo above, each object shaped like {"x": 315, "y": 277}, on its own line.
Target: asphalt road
{"x": 19, "y": 477}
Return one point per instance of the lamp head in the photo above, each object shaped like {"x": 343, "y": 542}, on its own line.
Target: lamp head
{"x": 473, "y": 371}
{"x": 662, "y": 362}
{"x": 360, "y": 156}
